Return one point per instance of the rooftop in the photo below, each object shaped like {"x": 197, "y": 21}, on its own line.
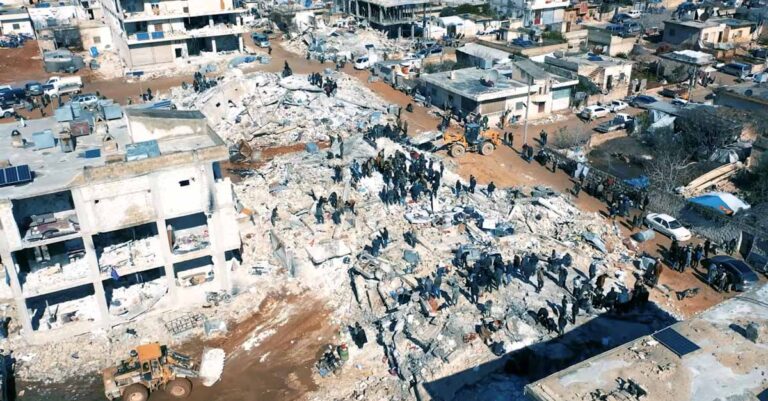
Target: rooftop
{"x": 467, "y": 83}
{"x": 721, "y": 363}
{"x": 690, "y": 57}
{"x": 589, "y": 59}
{"x": 484, "y": 52}
{"x": 695, "y": 24}
{"x": 756, "y": 92}
{"x": 176, "y": 133}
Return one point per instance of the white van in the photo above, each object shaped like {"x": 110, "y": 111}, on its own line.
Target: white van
{"x": 365, "y": 62}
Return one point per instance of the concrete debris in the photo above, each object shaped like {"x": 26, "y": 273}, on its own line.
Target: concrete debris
{"x": 328, "y": 43}
{"x": 266, "y": 110}
{"x": 211, "y": 366}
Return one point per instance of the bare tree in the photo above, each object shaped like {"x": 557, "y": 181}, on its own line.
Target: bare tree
{"x": 707, "y": 129}
{"x": 565, "y": 139}
{"x": 666, "y": 170}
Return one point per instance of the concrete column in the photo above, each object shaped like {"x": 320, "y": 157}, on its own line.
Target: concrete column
{"x": 98, "y": 287}
{"x": 213, "y": 45}
{"x": 370, "y": 10}
{"x": 413, "y": 31}
{"x": 87, "y": 227}
{"x": 21, "y": 304}
{"x": 210, "y": 21}
{"x": 223, "y": 275}
{"x": 165, "y": 248}
{"x": 240, "y": 42}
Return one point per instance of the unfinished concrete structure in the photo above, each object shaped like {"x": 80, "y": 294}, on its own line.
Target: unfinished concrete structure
{"x": 717, "y": 355}
{"x": 157, "y": 32}
{"x": 610, "y": 76}
{"x": 140, "y": 203}
{"x": 396, "y": 17}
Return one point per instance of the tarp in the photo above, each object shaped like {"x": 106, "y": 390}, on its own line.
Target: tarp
{"x": 639, "y": 182}
{"x": 723, "y": 202}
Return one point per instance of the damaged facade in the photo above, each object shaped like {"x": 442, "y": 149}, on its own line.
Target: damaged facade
{"x": 147, "y": 33}
{"x": 142, "y": 199}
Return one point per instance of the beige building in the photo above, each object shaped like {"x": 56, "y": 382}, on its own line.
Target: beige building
{"x": 611, "y": 76}
{"x": 152, "y": 33}
{"x": 711, "y": 32}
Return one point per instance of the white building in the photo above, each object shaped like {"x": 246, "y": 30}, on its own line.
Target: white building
{"x": 532, "y": 12}
{"x": 15, "y": 20}
{"x": 139, "y": 208}
{"x": 152, "y": 32}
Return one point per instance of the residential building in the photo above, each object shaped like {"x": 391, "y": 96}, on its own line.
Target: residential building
{"x": 499, "y": 91}
{"x": 396, "y": 17}
{"x": 602, "y": 41}
{"x": 532, "y": 12}
{"x": 151, "y": 32}
{"x": 713, "y": 356}
{"x": 747, "y": 96}
{"x": 85, "y": 218}
{"x": 710, "y": 32}
{"x": 610, "y": 76}
{"x": 15, "y": 20}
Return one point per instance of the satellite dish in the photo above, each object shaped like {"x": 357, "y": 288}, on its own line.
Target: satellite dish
{"x": 490, "y": 78}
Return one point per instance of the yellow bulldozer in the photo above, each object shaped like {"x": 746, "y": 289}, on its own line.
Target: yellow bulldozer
{"x": 473, "y": 139}
{"x": 151, "y": 367}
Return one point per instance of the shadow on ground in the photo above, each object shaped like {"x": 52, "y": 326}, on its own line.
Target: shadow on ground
{"x": 504, "y": 378}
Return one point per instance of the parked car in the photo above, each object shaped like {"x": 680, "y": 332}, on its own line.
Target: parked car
{"x": 679, "y": 102}
{"x": 520, "y": 42}
{"x": 13, "y": 96}
{"x": 260, "y": 39}
{"x": 621, "y": 17}
{"x": 593, "y": 112}
{"x": 363, "y": 63}
{"x": 642, "y": 100}
{"x": 7, "y": 111}
{"x": 620, "y": 121}
{"x": 668, "y": 226}
{"x": 674, "y": 91}
{"x": 742, "y": 277}
{"x": 631, "y": 29}
{"x": 86, "y": 100}
{"x": 616, "y": 106}
{"x": 614, "y": 29}
{"x": 634, "y": 13}
{"x": 33, "y": 88}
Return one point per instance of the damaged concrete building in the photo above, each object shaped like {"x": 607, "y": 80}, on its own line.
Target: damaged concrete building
{"x": 98, "y": 228}
{"x": 396, "y": 17}
{"x": 717, "y": 355}
{"x": 148, "y": 33}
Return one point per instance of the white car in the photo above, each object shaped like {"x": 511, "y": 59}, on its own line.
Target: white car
{"x": 679, "y": 102}
{"x": 668, "y": 226}
{"x": 634, "y": 13}
{"x": 593, "y": 112}
{"x": 616, "y": 106}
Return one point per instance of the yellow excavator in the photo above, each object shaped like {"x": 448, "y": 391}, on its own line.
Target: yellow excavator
{"x": 473, "y": 139}
{"x": 151, "y": 367}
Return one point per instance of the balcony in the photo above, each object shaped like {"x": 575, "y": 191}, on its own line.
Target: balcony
{"x": 546, "y": 4}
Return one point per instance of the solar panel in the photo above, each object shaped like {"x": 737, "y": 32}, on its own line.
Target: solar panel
{"x": 763, "y": 396}
{"x": 675, "y": 341}
{"x": 15, "y": 175}
{"x": 12, "y": 175}
{"x": 24, "y": 173}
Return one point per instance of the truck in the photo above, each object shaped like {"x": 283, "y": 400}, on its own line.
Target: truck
{"x": 66, "y": 88}
{"x": 7, "y": 111}
{"x": 620, "y": 121}
{"x": 56, "y": 81}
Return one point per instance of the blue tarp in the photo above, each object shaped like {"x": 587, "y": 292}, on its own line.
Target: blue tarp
{"x": 43, "y": 140}
{"x": 142, "y": 150}
{"x": 639, "y": 182}
{"x": 722, "y": 202}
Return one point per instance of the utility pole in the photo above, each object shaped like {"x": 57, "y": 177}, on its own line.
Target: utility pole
{"x": 527, "y": 106}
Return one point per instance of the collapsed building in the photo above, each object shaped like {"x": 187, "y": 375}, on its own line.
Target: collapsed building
{"x": 142, "y": 199}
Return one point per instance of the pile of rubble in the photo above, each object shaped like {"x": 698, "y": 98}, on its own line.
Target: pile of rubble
{"x": 383, "y": 290}
{"x": 266, "y": 110}
{"x": 330, "y": 43}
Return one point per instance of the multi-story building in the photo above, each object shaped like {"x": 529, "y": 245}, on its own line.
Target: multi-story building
{"x": 532, "y": 12}
{"x": 148, "y": 32}
{"x": 396, "y": 17}
{"x": 609, "y": 75}
{"x": 139, "y": 208}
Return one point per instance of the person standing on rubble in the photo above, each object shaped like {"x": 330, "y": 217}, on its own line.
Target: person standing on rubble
{"x": 455, "y": 291}
{"x": 491, "y": 187}
{"x": 472, "y": 184}
{"x": 274, "y": 216}
{"x": 539, "y": 279}
{"x": 707, "y": 248}
{"x": 319, "y": 213}
{"x": 562, "y": 276}
{"x": 543, "y": 138}
{"x": 592, "y": 270}
{"x": 474, "y": 289}
{"x": 562, "y": 321}
{"x": 574, "y": 312}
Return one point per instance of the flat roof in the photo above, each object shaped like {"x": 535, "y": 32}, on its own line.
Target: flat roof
{"x": 54, "y": 170}
{"x": 466, "y": 83}
{"x": 596, "y": 60}
{"x": 484, "y": 52}
{"x": 695, "y": 24}
{"x": 722, "y": 363}
{"x": 756, "y": 91}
